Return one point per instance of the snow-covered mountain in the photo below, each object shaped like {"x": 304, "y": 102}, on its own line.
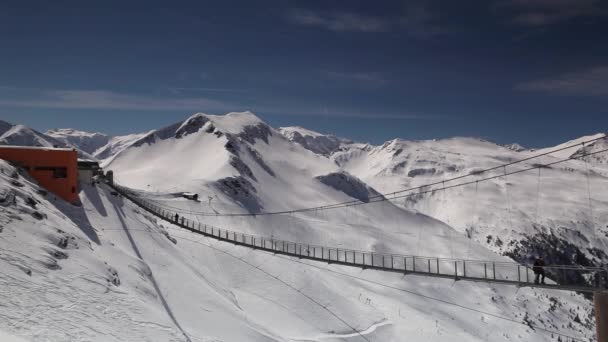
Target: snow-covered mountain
{"x": 21, "y": 135}
{"x": 24, "y": 136}
{"x": 115, "y": 145}
{"x": 314, "y": 141}
{"x": 100, "y": 146}
{"x": 493, "y": 213}
{"x": 88, "y": 142}
{"x": 124, "y": 275}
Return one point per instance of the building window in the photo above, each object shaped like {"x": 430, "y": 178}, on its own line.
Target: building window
{"x": 58, "y": 172}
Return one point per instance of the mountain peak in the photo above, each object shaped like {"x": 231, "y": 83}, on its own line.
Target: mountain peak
{"x": 233, "y": 122}
{"x": 86, "y": 141}
{"x": 71, "y": 132}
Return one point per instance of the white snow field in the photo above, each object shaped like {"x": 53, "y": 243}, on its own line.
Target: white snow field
{"x": 108, "y": 271}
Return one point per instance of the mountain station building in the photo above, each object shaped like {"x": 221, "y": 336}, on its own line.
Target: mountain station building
{"x": 55, "y": 169}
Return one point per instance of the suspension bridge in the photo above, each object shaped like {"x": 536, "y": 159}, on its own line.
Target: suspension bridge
{"x": 459, "y": 269}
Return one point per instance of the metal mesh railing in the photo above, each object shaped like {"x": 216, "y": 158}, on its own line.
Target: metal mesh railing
{"x": 577, "y": 278}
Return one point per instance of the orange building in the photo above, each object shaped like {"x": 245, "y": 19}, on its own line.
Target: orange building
{"x": 53, "y": 168}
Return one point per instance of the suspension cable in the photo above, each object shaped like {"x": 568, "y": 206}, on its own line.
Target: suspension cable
{"x": 384, "y": 197}
{"x": 591, "y": 222}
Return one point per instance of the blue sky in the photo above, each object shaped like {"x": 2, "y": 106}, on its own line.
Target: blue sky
{"x": 531, "y": 71}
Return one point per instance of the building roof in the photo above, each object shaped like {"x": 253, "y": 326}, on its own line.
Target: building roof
{"x": 40, "y": 148}
{"x": 83, "y": 163}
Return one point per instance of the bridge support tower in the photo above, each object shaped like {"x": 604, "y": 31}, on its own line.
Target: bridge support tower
{"x": 600, "y": 299}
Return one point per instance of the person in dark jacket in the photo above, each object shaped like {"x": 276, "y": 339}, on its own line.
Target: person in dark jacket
{"x": 176, "y": 218}
{"x": 539, "y": 270}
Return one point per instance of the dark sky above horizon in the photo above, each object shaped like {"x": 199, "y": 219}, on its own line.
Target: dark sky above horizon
{"x": 527, "y": 71}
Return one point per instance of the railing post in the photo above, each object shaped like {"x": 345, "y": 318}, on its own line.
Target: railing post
{"x": 456, "y": 269}
{"x": 518, "y": 274}
{"x": 464, "y": 268}
{"x": 494, "y": 270}
{"x": 382, "y": 260}
{"x": 363, "y": 258}
{"x": 437, "y": 265}
{"x": 429, "y": 262}
{"x": 414, "y": 263}
{"x": 485, "y": 270}
{"x": 392, "y": 262}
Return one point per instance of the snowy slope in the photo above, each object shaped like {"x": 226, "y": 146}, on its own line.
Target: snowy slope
{"x": 100, "y": 146}
{"x": 24, "y": 136}
{"x": 314, "y": 141}
{"x": 559, "y": 213}
{"x": 106, "y": 271}
{"x": 115, "y": 145}
{"x": 21, "y": 135}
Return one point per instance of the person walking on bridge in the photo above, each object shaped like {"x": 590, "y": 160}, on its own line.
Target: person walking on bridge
{"x": 176, "y": 218}
{"x": 539, "y": 270}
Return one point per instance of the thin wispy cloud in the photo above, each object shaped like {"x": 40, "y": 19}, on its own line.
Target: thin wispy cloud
{"x": 416, "y": 19}
{"x": 102, "y": 99}
{"x": 591, "y": 82}
{"x": 207, "y": 90}
{"x": 349, "y": 114}
{"x": 339, "y": 21}
{"x": 373, "y": 79}
{"x": 537, "y": 13}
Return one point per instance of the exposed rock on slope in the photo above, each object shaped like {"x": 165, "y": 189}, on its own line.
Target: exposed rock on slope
{"x": 314, "y": 141}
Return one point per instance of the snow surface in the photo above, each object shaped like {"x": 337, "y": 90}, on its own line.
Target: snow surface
{"x": 560, "y": 201}
{"x": 314, "y": 141}
{"x": 106, "y": 271}
{"x": 85, "y": 141}
{"x": 24, "y": 136}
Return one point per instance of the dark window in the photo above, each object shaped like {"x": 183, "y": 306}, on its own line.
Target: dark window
{"x": 58, "y": 172}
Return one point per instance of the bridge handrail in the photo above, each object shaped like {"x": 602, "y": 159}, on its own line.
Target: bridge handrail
{"x": 341, "y": 255}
